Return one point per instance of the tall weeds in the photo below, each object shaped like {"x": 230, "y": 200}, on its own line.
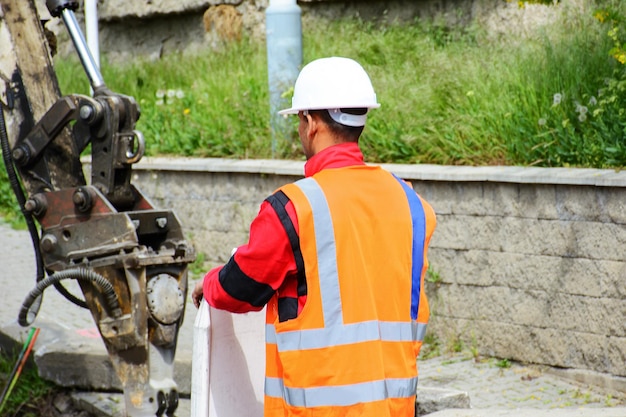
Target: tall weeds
{"x": 448, "y": 95}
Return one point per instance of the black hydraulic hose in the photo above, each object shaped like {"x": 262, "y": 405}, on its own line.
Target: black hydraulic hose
{"x": 81, "y": 274}
{"x": 30, "y": 223}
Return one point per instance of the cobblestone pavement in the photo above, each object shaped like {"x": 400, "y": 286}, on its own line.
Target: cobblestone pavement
{"x": 500, "y": 384}
{"x": 71, "y": 331}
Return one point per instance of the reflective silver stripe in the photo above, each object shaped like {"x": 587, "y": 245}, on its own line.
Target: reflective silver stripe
{"x": 341, "y": 395}
{"x": 346, "y": 334}
{"x": 274, "y": 387}
{"x": 421, "y": 332}
{"x": 270, "y": 334}
{"x": 326, "y": 251}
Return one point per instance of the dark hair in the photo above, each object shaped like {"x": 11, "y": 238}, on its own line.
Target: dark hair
{"x": 349, "y": 133}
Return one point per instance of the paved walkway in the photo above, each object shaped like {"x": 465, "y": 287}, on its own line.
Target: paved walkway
{"x": 69, "y": 350}
{"x": 491, "y": 386}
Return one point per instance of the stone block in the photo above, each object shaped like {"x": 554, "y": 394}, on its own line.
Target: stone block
{"x": 217, "y": 246}
{"x": 491, "y": 199}
{"x": 472, "y": 267}
{"x": 613, "y": 204}
{"x": 600, "y": 316}
{"x": 596, "y": 204}
{"x": 150, "y": 35}
{"x": 574, "y": 239}
{"x": 120, "y": 9}
{"x": 432, "y": 399}
{"x": 588, "y": 277}
{"x": 537, "y": 201}
{"x": 548, "y": 346}
{"x": 598, "y": 240}
{"x": 613, "y": 385}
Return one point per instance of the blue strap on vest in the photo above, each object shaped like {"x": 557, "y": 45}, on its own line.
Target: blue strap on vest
{"x": 419, "y": 235}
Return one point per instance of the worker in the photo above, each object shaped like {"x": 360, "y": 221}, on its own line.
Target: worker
{"x": 339, "y": 258}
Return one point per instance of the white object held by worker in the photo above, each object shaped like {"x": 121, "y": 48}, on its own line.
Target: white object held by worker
{"x": 228, "y": 363}
{"x": 200, "y": 376}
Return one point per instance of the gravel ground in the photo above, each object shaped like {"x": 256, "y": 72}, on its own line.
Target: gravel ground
{"x": 62, "y": 405}
{"x": 56, "y": 404}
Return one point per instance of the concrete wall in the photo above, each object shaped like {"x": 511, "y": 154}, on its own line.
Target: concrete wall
{"x": 529, "y": 263}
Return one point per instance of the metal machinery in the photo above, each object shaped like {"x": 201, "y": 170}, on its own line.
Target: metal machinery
{"x": 129, "y": 258}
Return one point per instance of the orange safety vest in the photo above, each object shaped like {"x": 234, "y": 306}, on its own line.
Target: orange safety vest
{"x": 352, "y": 351}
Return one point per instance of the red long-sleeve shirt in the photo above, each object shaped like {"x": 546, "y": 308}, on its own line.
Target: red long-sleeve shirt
{"x": 266, "y": 264}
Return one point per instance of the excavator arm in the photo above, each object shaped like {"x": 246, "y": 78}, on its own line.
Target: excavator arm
{"x": 129, "y": 258}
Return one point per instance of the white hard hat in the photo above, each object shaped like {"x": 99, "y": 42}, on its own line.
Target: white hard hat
{"x": 332, "y": 84}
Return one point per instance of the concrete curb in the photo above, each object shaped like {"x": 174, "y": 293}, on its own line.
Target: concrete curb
{"x": 425, "y": 172}
{"x": 591, "y": 412}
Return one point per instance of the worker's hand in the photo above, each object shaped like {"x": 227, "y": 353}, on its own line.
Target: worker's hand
{"x": 197, "y": 294}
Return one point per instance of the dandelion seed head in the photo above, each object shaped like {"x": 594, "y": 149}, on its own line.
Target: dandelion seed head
{"x": 542, "y": 122}
{"x": 160, "y": 94}
{"x": 556, "y": 99}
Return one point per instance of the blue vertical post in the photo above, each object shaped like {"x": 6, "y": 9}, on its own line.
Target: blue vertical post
{"x": 283, "y": 25}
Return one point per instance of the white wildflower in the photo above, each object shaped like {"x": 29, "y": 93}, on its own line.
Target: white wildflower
{"x": 556, "y": 100}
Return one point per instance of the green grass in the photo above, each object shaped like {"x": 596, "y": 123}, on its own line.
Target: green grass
{"x": 30, "y": 395}
{"x": 449, "y": 96}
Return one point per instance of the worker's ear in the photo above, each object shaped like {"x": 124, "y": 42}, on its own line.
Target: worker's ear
{"x": 312, "y": 126}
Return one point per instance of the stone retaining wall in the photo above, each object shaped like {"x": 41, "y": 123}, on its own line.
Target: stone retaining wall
{"x": 527, "y": 264}
{"x": 153, "y": 28}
